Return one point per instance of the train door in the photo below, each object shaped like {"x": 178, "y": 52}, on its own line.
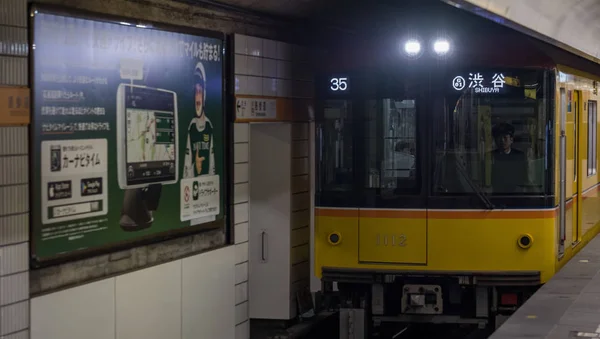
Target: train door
{"x": 577, "y": 168}
{"x": 562, "y": 165}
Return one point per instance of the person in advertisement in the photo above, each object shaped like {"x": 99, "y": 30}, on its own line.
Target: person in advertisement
{"x": 199, "y": 150}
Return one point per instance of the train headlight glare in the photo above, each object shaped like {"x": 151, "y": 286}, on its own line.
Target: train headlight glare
{"x": 412, "y": 47}
{"x": 441, "y": 46}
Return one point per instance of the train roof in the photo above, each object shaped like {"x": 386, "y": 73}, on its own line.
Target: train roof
{"x": 475, "y": 42}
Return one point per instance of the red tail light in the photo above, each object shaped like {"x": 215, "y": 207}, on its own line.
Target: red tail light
{"x": 509, "y": 299}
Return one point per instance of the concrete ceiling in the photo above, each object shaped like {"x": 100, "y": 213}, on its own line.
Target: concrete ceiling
{"x": 573, "y": 23}
{"x": 291, "y": 8}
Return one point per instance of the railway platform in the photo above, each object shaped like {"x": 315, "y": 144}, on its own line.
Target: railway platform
{"x": 568, "y": 306}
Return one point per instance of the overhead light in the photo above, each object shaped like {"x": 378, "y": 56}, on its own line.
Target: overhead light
{"x": 412, "y": 47}
{"x": 140, "y": 26}
{"x": 441, "y": 46}
{"x": 125, "y": 23}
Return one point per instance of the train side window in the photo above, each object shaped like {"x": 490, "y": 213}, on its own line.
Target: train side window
{"x": 335, "y": 147}
{"x": 391, "y": 146}
{"x": 592, "y": 158}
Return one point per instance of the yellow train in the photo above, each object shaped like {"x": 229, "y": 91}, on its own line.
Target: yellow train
{"x": 450, "y": 186}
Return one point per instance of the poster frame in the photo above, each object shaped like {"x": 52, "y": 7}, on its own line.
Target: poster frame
{"x": 226, "y": 223}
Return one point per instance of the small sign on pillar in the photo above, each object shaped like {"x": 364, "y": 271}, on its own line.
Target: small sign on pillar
{"x": 14, "y": 106}
{"x": 255, "y": 109}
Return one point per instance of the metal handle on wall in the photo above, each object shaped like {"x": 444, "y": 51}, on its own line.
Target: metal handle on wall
{"x": 264, "y": 244}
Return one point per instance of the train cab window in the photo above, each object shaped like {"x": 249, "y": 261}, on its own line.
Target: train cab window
{"x": 390, "y": 147}
{"x": 494, "y": 140}
{"x": 592, "y": 158}
{"x": 335, "y": 145}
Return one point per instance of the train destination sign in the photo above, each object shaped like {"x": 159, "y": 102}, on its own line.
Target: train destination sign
{"x": 478, "y": 83}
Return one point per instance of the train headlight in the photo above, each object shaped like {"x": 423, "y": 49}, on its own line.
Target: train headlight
{"x": 412, "y": 47}
{"x": 441, "y": 46}
{"x": 334, "y": 238}
{"x": 525, "y": 241}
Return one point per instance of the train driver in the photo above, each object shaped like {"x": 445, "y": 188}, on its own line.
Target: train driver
{"x": 509, "y": 165}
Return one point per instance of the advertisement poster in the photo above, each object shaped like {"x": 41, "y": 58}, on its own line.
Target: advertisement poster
{"x": 127, "y": 133}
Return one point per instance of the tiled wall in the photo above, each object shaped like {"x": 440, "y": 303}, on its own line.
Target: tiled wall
{"x": 268, "y": 68}
{"x": 183, "y": 299}
{"x": 240, "y": 218}
{"x": 272, "y": 68}
{"x": 300, "y": 223}
{"x": 14, "y": 204}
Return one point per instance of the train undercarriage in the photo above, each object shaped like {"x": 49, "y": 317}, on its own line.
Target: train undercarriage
{"x": 370, "y": 300}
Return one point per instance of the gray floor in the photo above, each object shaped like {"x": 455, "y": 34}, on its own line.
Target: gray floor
{"x": 568, "y": 306}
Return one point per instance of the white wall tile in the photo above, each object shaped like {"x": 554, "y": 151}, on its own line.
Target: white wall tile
{"x": 240, "y": 213}
{"x": 208, "y": 299}
{"x": 241, "y": 233}
{"x": 242, "y": 331}
{"x": 270, "y": 86}
{"x": 284, "y": 51}
{"x": 240, "y": 153}
{"x": 14, "y": 199}
{"x": 241, "y": 293}
{"x": 300, "y": 183}
{"x": 14, "y": 288}
{"x": 241, "y": 84}
{"x": 299, "y": 148}
{"x": 284, "y": 69}
{"x": 269, "y": 68}
{"x": 241, "y": 193}
{"x": 241, "y": 273}
{"x": 284, "y": 88}
{"x": 149, "y": 303}
{"x": 254, "y": 46}
{"x": 241, "y": 253}
{"x": 14, "y": 140}
{"x": 240, "y": 42}
{"x": 14, "y": 170}
{"x": 299, "y": 166}
{"x": 255, "y": 85}
{"x": 14, "y": 258}
{"x": 300, "y": 236}
{"x": 241, "y": 312}
{"x": 270, "y": 48}
{"x": 300, "y": 271}
{"x": 241, "y": 64}
{"x": 254, "y": 66}
{"x": 86, "y": 311}
{"x": 14, "y": 318}
{"x": 14, "y": 229}
{"x": 300, "y": 254}
{"x": 240, "y": 173}
{"x": 300, "y": 131}
{"x": 300, "y": 219}
{"x": 241, "y": 132}
{"x": 300, "y": 201}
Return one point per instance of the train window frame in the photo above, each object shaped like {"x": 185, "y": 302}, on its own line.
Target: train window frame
{"x": 543, "y": 116}
{"x": 592, "y": 156}
{"x": 324, "y": 194}
{"x": 375, "y": 179}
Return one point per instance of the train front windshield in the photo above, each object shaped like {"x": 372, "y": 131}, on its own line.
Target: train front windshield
{"x": 494, "y": 135}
